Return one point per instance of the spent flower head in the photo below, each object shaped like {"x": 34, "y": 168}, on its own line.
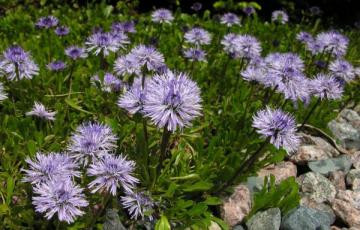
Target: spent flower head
{"x": 40, "y": 111}
{"x": 138, "y": 204}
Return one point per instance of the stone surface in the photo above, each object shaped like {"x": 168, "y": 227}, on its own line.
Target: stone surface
{"x": 337, "y": 178}
{"x": 317, "y": 187}
{"x": 266, "y": 220}
{"x": 355, "y": 159}
{"x": 214, "y": 226}
{"x": 346, "y": 128}
{"x": 356, "y": 184}
{"x": 254, "y": 184}
{"x": 238, "y": 227}
{"x": 237, "y": 206}
{"x": 281, "y": 171}
{"x": 346, "y": 212}
{"x": 352, "y": 176}
{"x": 325, "y": 208}
{"x": 342, "y": 163}
{"x": 302, "y": 218}
{"x": 313, "y": 148}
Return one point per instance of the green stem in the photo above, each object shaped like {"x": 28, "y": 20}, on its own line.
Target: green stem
{"x": 309, "y": 114}
{"x": 106, "y": 200}
{"x": 163, "y": 146}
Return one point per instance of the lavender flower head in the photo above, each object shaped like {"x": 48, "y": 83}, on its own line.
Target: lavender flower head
{"x": 110, "y": 173}
{"x": 75, "y": 52}
{"x": 91, "y": 141}
{"x": 134, "y": 99}
{"x": 279, "y": 127}
{"x": 40, "y": 111}
{"x": 197, "y": 6}
{"x": 127, "y": 64}
{"x": 343, "y": 69}
{"x": 241, "y": 46}
{"x": 56, "y": 66}
{"x": 138, "y": 205}
{"x": 47, "y": 22}
{"x": 17, "y": 64}
{"x": 51, "y": 166}
{"x": 3, "y": 95}
{"x": 172, "y": 101}
{"x": 326, "y": 87}
{"x": 332, "y": 42}
{"x": 62, "y": 31}
{"x": 198, "y": 36}
{"x": 279, "y": 16}
{"x": 162, "y": 16}
{"x": 109, "y": 83}
{"x": 305, "y": 37}
{"x": 105, "y": 43}
{"x": 230, "y": 19}
{"x": 148, "y": 56}
{"x": 194, "y": 54}
{"x": 125, "y": 27}
{"x": 61, "y": 197}
{"x": 230, "y": 43}
{"x": 256, "y": 71}
{"x": 249, "y": 10}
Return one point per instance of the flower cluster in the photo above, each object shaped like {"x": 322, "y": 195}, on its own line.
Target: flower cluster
{"x": 241, "y": 46}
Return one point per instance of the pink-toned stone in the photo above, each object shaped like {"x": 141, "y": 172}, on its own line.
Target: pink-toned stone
{"x": 337, "y": 178}
{"x": 237, "y": 206}
{"x": 281, "y": 171}
{"x": 335, "y": 228}
{"x": 346, "y": 212}
{"x": 355, "y": 159}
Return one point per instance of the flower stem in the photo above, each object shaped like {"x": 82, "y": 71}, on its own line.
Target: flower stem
{"x": 309, "y": 114}
{"x": 97, "y": 213}
{"x": 163, "y": 146}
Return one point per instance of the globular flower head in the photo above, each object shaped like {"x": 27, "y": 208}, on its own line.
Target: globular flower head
{"x": 304, "y": 37}
{"x": 47, "y": 22}
{"x": 332, "y": 42}
{"x": 134, "y": 99}
{"x": 50, "y": 166}
{"x": 172, "y": 100}
{"x": 194, "y": 54}
{"x": 138, "y": 205}
{"x": 279, "y": 16}
{"x": 241, "y": 46}
{"x": 61, "y": 197}
{"x": 3, "y": 95}
{"x": 148, "y": 56}
{"x": 56, "y": 66}
{"x": 127, "y": 64}
{"x": 91, "y": 141}
{"x": 162, "y": 16}
{"x": 343, "y": 69}
{"x": 230, "y": 19}
{"x": 62, "y": 31}
{"x": 105, "y": 43}
{"x": 279, "y": 127}
{"x": 198, "y": 36}
{"x": 112, "y": 172}
{"x": 256, "y": 71}
{"x": 125, "y": 27}
{"x": 109, "y": 83}
{"x": 15, "y": 54}
{"x": 75, "y": 52}
{"x": 249, "y": 10}
{"x": 326, "y": 87}
{"x": 40, "y": 111}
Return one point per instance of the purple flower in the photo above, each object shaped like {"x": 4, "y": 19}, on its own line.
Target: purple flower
{"x": 326, "y": 87}
{"x": 109, "y": 84}
{"x": 249, "y": 10}
{"x": 315, "y": 10}
{"x": 75, "y": 52}
{"x": 162, "y": 16}
{"x": 47, "y": 22}
{"x": 256, "y": 71}
{"x": 279, "y": 127}
{"x": 50, "y": 166}
{"x": 138, "y": 205}
{"x": 17, "y": 64}
{"x": 294, "y": 86}
{"x": 241, "y": 46}
{"x": 172, "y": 101}
{"x": 148, "y": 57}
{"x": 110, "y": 173}
{"x": 305, "y": 37}
{"x": 196, "y": 6}
{"x": 3, "y": 95}
{"x": 92, "y": 141}
{"x": 343, "y": 69}
{"x": 40, "y": 111}
{"x": 127, "y": 64}
{"x": 230, "y": 19}
{"x": 61, "y": 197}
{"x": 56, "y": 66}
{"x": 106, "y": 42}
{"x": 332, "y": 42}
{"x": 125, "y": 27}
{"x": 279, "y": 16}
{"x": 194, "y": 54}
{"x": 197, "y": 36}
{"x": 62, "y": 31}
{"x": 133, "y": 100}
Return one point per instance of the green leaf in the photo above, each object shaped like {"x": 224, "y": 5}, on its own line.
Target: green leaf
{"x": 74, "y": 105}
{"x": 162, "y": 224}
{"x": 212, "y": 200}
{"x": 10, "y": 184}
{"x": 198, "y": 187}
{"x": 31, "y": 146}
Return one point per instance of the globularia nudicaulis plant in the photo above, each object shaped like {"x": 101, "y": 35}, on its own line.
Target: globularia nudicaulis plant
{"x": 154, "y": 117}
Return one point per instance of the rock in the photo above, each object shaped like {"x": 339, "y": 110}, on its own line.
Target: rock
{"x": 355, "y": 159}
{"x": 112, "y": 220}
{"x": 214, "y": 226}
{"x": 302, "y": 218}
{"x": 335, "y": 228}
{"x": 307, "y": 202}
{"x": 281, "y": 171}
{"x": 346, "y": 128}
{"x": 254, "y": 184}
{"x": 342, "y": 163}
{"x": 337, "y": 178}
{"x": 238, "y": 227}
{"x": 317, "y": 187}
{"x": 352, "y": 176}
{"x": 356, "y": 184}
{"x": 237, "y": 206}
{"x": 352, "y": 197}
{"x": 267, "y": 220}
{"x": 313, "y": 148}
{"x": 346, "y": 212}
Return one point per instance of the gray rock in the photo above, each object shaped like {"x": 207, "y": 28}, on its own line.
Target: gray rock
{"x": 267, "y": 220}
{"x": 325, "y": 208}
{"x": 337, "y": 178}
{"x": 355, "y": 159}
{"x": 317, "y": 187}
{"x": 302, "y": 218}
{"x": 346, "y": 128}
{"x": 238, "y": 227}
{"x": 254, "y": 184}
{"x": 112, "y": 220}
{"x": 324, "y": 167}
{"x": 352, "y": 176}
